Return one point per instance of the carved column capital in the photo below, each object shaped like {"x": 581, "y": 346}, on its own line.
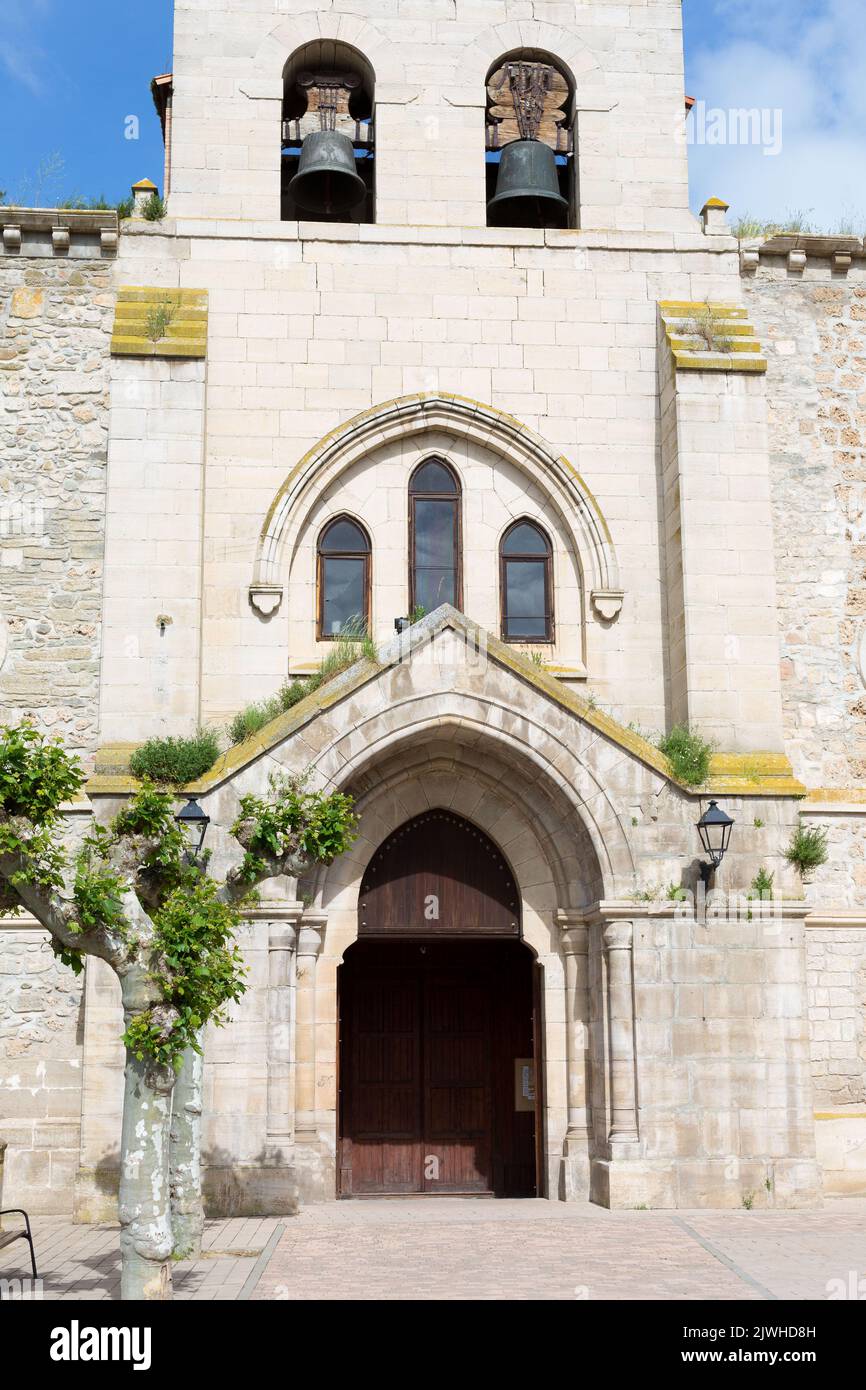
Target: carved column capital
{"x": 574, "y": 930}
{"x": 311, "y": 935}
{"x": 618, "y": 936}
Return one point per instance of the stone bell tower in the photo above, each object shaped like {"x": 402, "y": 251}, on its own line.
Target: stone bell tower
{"x": 414, "y": 86}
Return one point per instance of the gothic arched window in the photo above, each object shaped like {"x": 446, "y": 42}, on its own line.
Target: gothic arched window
{"x": 434, "y": 537}
{"x": 343, "y": 579}
{"x": 526, "y": 584}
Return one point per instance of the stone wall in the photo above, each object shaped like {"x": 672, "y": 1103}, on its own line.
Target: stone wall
{"x": 55, "y": 323}
{"x": 836, "y": 977}
{"x": 812, "y": 326}
{"x": 41, "y": 1022}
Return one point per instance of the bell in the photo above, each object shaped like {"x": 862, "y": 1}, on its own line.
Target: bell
{"x": 527, "y": 189}
{"x": 326, "y": 180}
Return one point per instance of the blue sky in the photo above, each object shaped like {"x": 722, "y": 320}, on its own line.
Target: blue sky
{"x": 73, "y": 71}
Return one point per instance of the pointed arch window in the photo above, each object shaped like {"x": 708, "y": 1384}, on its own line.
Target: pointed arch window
{"x": 343, "y": 579}
{"x": 526, "y": 584}
{"x": 434, "y": 537}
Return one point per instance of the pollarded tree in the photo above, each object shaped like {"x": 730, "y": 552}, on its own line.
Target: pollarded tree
{"x": 131, "y": 896}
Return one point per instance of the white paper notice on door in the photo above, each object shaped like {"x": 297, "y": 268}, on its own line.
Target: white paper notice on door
{"x": 524, "y": 1084}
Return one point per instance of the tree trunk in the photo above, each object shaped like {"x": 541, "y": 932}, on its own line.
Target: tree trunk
{"x": 143, "y": 1203}
{"x": 187, "y": 1210}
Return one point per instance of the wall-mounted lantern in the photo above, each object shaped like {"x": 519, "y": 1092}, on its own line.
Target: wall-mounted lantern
{"x": 714, "y": 828}
{"x": 194, "y": 823}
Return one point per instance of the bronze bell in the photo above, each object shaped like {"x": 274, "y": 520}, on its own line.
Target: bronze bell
{"x": 326, "y": 180}
{"x": 527, "y": 189}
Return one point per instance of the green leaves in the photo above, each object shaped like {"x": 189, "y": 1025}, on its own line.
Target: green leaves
{"x": 36, "y": 776}
{"x": 202, "y": 972}
{"x": 98, "y": 894}
{"x": 808, "y": 849}
{"x": 292, "y": 821}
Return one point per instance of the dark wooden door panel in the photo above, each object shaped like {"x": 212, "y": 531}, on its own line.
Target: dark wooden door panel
{"x": 430, "y": 1036}
{"x": 383, "y": 1029}
{"x": 438, "y": 875}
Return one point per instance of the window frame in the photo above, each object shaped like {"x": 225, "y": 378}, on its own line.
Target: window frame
{"x": 321, "y": 556}
{"x": 521, "y": 559}
{"x": 456, "y": 499}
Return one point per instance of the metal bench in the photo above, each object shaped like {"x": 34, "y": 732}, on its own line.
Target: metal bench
{"x": 7, "y": 1237}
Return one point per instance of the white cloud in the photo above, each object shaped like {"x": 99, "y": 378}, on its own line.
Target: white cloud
{"x": 21, "y": 55}
{"x": 809, "y": 60}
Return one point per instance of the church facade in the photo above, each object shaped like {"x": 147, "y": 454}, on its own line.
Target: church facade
{"x": 430, "y": 346}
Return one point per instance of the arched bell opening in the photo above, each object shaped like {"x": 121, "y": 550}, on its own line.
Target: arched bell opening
{"x": 440, "y": 1023}
{"x": 327, "y": 134}
{"x": 529, "y": 150}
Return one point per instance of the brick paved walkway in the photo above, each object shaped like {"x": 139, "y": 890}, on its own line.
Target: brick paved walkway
{"x": 447, "y": 1249}
{"x": 451, "y": 1249}
{"x": 84, "y": 1261}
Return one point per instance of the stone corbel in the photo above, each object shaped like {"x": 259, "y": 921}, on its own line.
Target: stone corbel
{"x": 750, "y": 259}
{"x": 60, "y": 239}
{"x": 266, "y": 598}
{"x": 797, "y": 261}
{"x": 108, "y": 241}
{"x": 842, "y": 261}
{"x": 607, "y": 603}
{"x": 11, "y": 239}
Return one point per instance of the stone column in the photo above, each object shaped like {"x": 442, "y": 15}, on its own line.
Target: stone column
{"x": 617, "y": 939}
{"x": 575, "y": 1149}
{"x": 282, "y": 939}
{"x": 310, "y": 939}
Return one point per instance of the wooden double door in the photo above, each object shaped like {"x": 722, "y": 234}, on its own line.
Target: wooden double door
{"x": 437, "y": 1075}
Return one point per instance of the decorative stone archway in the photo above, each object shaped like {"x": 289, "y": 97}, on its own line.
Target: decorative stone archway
{"x": 438, "y": 769}
{"x": 405, "y": 420}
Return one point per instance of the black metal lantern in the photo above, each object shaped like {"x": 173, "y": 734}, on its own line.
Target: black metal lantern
{"x": 194, "y": 823}
{"x": 714, "y": 828}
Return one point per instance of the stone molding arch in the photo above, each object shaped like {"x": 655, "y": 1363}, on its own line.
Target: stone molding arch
{"x": 294, "y": 31}
{"x": 576, "y": 790}
{"x": 459, "y": 416}
{"x": 407, "y": 786}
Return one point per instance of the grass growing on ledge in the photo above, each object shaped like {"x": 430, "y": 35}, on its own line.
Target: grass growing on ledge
{"x": 703, "y": 328}
{"x": 688, "y": 754}
{"x": 797, "y": 223}
{"x": 155, "y": 209}
{"x": 349, "y": 647}
{"x": 159, "y": 319}
{"x": 175, "y": 761}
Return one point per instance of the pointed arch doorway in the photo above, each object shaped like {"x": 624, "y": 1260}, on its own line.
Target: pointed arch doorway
{"x": 439, "y": 1023}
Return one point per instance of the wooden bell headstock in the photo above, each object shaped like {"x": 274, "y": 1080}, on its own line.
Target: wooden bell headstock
{"x": 528, "y": 101}
{"x": 327, "y": 97}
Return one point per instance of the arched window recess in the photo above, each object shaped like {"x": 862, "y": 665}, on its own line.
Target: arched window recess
{"x": 530, "y": 143}
{"x": 526, "y": 584}
{"x": 435, "y": 537}
{"x": 343, "y": 580}
{"x": 328, "y": 144}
